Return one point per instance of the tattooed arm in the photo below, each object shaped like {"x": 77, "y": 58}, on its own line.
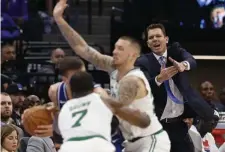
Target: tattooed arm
{"x": 78, "y": 44}
{"x": 133, "y": 116}
{"x": 130, "y": 88}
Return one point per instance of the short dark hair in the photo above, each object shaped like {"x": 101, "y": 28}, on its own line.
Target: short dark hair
{"x": 133, "y": 41}
{"x": 158, "y": 25}
{"x": 70, "y": 63}
{"x": 81, "y": 84}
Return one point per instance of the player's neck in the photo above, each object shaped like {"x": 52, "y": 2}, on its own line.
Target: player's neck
{"x": 123, "y": 70}
{"x": 82, "y": 94}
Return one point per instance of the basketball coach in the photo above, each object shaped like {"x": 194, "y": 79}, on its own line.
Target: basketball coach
{"x": 174, "y": 99}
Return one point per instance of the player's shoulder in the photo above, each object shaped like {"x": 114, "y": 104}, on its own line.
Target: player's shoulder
{"x": 52, "y": 91}
{"x": 54, "y": 87}
{"x": 134, "y": 74}
{"x": 136, "y": 77}
{"x": 130, "y": 79}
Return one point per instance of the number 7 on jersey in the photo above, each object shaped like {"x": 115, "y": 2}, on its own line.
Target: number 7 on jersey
{"x": 79, "y": 115}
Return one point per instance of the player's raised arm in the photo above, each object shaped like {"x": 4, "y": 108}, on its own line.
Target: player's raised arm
{"x": 77, "y": 43}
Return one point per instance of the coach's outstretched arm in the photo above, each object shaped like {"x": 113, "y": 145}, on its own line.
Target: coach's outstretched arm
{"x": 77, "y": 43}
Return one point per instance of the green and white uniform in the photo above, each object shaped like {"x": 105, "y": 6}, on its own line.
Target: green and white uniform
{"x": 150, "y": 139}
{"x": 84, "y": 124}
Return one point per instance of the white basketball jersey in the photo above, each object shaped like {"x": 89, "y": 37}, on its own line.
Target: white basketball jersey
{"x": 85, "y": 116}
{"x": 144, "y": 104}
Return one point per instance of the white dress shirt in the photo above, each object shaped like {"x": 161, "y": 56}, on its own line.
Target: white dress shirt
{"x": 172, "y": 109}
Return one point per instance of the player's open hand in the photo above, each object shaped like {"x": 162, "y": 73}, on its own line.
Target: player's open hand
{"x": 59, "y": 9}
{"x": 44, "y": 131}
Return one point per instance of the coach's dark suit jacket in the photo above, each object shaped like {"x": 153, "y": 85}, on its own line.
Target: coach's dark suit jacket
{"x": 195, "y": 105}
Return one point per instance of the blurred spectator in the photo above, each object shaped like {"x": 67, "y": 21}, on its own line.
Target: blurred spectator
{"x": 6, "y": 109}
{"x": 56, "y": 56}
{"x": 17, "y": 9}
{"x": 209, "y": 143}
{"x": 9, "y": 29}
{"x": 6, "y": 112}
{"x": 49, "y": 71}
{"x": 30, "y": 101}
{"x": 5, "y": 82}
{"x": 9, "y": 139}
{"x": 17, "y": 94}
{"x": 40, "y": 144}
{"x": 217, "y": 16}
{"x": 194, "y": 134}
{"x": 208, "y": 93}
{"x": 8, "y": 52}
{"x": 222, "y": 98}
{"x": 201, "y": 134}
{"x": 8, "y": 60}
{"x": 14, "y": 15}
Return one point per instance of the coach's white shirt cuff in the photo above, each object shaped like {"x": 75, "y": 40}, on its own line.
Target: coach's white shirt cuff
{"x": 188, "y": 65}
{"x": 158, "y": 83}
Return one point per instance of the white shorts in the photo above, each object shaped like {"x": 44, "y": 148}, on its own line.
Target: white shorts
{"x": 89, "y": 145}
{"x": 154, "y": 143}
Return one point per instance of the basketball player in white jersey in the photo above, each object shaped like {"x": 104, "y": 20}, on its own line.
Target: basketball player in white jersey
{"x": 129, "y": 87}
{"x": 85, "y": 120}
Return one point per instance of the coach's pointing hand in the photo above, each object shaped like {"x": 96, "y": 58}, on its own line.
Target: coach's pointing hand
{"x": 179, "y": 65}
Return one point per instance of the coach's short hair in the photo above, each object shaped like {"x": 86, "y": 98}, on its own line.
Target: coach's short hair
{"x": 81, "y": 84}
{"x": 70, "y": 63}
{"x": 158, "y": 25}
